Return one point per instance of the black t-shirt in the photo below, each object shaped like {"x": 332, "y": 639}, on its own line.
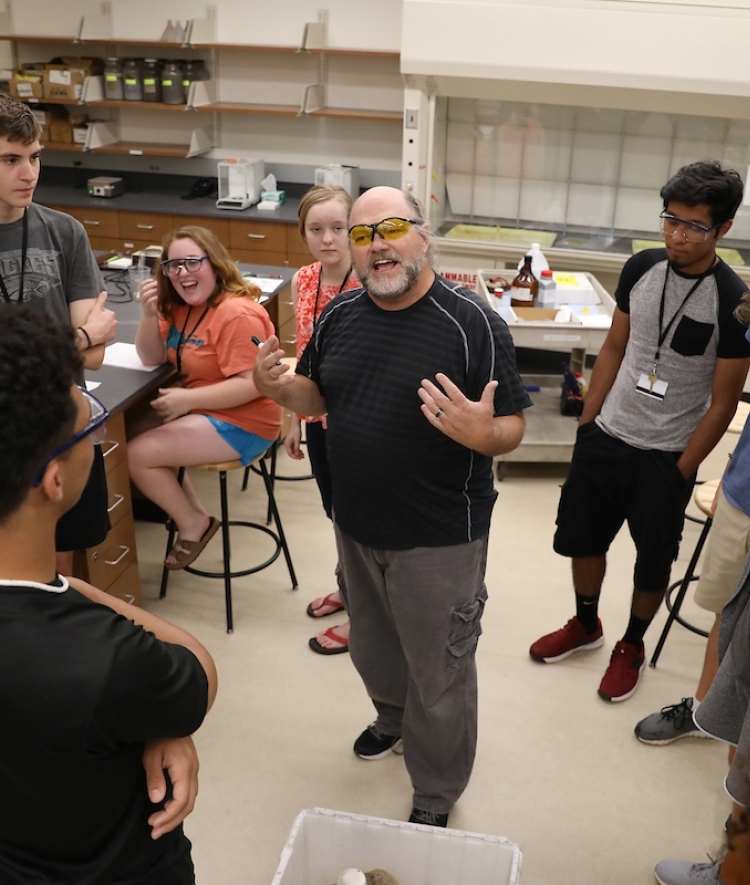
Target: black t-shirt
{"x": 81, "y": 689}
{"x": 398, "y": 482}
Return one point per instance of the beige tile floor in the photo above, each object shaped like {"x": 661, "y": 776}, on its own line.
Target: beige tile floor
{"x": 558, "y": 770}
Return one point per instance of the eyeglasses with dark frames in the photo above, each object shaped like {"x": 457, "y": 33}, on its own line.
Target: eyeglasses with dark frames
{"x": 173, "y": 266}
{"x": 99, "y": 415}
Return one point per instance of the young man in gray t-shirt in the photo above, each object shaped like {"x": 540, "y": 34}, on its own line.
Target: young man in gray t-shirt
{"x": 46, "y": 261}
{"x": 663, "y": 391}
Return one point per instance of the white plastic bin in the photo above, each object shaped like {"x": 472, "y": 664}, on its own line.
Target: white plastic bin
{"x": 322, "y": 843}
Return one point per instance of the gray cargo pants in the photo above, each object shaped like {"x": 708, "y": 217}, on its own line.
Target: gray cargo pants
{"x": 415, "y": 621}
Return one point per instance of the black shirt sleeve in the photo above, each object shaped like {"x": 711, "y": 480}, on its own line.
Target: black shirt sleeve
{"x": 153, "y": 690}
{"x": 732, "y": 341}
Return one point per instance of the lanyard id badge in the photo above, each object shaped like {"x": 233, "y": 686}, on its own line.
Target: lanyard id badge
{"x": 650, "y": 384}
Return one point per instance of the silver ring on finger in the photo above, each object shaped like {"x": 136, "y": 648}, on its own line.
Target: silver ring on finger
{"x": 439, "y": 413}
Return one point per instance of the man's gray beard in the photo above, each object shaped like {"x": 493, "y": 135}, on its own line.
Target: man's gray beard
{"x": 391, "y": 290}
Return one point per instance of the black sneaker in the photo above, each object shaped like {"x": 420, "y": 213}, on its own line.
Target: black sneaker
{"x": 428, "y": 818}
{"x": 373, "y": 744}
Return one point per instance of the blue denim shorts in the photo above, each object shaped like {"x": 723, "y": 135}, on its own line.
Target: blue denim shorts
{"x": 247, "y": 445}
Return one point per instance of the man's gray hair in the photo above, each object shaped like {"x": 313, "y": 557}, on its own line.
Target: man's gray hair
{"x": 418, "y": 217}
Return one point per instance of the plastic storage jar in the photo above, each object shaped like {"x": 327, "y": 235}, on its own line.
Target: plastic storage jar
{"x": 113, "y": 88}
{"x": 132, "y": 80}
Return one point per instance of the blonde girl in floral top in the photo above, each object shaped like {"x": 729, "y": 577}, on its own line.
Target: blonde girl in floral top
{"x": 323, "y": 223}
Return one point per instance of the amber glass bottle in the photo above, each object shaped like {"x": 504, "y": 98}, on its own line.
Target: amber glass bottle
{"x": 525, "y": 287}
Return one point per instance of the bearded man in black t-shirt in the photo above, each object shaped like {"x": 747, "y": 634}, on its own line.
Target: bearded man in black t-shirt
{"x": 419, "y": 382}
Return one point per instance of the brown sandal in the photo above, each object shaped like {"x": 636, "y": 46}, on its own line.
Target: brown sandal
{"x": 186, "y": 552}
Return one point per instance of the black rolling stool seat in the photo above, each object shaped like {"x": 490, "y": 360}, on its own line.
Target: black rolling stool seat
{"x": 703, "y": 497}
{"x": 222, "y": 468}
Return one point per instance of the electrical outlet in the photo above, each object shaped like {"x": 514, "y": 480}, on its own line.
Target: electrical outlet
{"x": 411, "y": 118}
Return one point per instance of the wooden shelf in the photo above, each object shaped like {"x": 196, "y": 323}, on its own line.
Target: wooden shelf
{"x": 244, "y": 47}
{"x": 358, "y": 114}
{"x": 379, "y": 53}
{"x": 237, "y": 107}
{"x": 73, "y": 101}
{"x": 144, "y": 105}
{"x": 26, "y": 38}
{"x": 59, "y": 146}
{"x": 137, "y": 149}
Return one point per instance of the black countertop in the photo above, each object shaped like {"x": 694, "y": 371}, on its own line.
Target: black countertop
{"x": 162, "y": 200}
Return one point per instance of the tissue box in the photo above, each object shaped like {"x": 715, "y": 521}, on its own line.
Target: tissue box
{"x": 273, "y": 196}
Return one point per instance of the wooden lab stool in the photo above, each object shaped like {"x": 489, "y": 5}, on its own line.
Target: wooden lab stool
{"x": 704, "y": 498}
{"x": 222, "y": 468}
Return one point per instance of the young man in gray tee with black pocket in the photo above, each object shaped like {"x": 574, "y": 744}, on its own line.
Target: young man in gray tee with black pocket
{"x": 663, "y": 391}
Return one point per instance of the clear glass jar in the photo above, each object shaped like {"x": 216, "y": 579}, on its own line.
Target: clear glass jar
{"x": 113, "y": 86}
{"x": 151, "y": 71}
{"x": 132, "y": 80}
{"x": 172, "y": 90}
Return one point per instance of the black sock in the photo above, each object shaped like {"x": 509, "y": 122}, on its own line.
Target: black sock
{"x": 587, "y": 612}
{"x": 636, "y": 631}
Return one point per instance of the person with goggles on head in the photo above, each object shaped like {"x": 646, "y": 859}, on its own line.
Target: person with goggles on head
{"x": 418, "y": 378}
{"x": 663, "y": 391}
{"x": 200, "y": 315}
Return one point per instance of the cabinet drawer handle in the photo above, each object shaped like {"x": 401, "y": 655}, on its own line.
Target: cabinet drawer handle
{"x": 114, "y": 444}
{"x": 92, "y": 223}
{"x": 125, "y": 551}
{"x": 120, "y": 499}
{"x": 257, "y": 236}
{"x": 145, "y": 226}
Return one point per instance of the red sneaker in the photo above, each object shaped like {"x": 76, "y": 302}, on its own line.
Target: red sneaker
{"x": 624, "y": 672}
{"x": 558, "y": 645}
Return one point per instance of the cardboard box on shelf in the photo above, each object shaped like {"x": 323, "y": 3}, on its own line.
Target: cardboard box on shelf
{"x": 61, "y": 132}
{"x": 26, "y": 85}
{"x": 44, "y": 135}
{"x": 63, "y": 78}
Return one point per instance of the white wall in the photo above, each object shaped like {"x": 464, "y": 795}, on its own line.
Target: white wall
{"x": 681, "y": 47}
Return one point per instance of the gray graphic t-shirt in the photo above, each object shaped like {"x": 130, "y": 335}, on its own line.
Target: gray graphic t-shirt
{"x": 703, "y": 330}
{"x": 60, "y": 267}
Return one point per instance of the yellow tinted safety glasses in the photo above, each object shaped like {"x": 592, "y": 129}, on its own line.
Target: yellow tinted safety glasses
{"x": 387, "y": 229}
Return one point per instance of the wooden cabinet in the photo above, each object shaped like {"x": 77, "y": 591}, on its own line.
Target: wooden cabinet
{"x": 148, "y": 226}
{"x": 258, "y": 242}
{"x": 113, "y": 565}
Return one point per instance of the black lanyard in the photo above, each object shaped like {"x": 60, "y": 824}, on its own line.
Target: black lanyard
{"x": 24, "y": 246}
{"x": 317, "y": 293}
{"x": 662, "y": 331}
{"x": 183, "y": 340}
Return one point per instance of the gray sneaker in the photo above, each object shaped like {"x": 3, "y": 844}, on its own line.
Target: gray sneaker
{"x": 670, "y": 724}
{"x": 682, "y": 872}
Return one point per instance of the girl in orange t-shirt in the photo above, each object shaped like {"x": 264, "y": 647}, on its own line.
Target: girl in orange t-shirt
{"x": 200, "y": 315}
{"x": 323, "y": 223}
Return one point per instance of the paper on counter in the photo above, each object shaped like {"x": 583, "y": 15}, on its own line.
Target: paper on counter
{"x": 265, "y": 284}
{"x": 124, "y": 356}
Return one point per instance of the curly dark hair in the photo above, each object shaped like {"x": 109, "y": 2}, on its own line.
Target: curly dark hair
{"x": 38, "y": 365}
{"x": 17, "y": 123}
{"x": 706, "y": 182}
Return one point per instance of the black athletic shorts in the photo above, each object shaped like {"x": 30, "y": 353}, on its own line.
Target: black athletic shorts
{"x": 87, "y": 523}
{"x": 611, "y": 482}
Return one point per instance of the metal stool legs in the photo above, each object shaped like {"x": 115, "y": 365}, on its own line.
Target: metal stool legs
{"x": 674, "y": 608}
{"x": 227, "y": 574}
